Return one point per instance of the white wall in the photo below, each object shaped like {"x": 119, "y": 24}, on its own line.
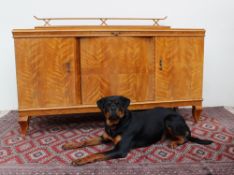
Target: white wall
{"x": 216, "y": 16}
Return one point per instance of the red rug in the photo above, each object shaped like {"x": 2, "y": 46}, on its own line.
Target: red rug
{"x": 40, "y": 152}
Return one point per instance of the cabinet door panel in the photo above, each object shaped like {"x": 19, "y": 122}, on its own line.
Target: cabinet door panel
{"x": 47, "y": 72}
{"x": 117, "y": 66}
{"x": 179, "y": 68}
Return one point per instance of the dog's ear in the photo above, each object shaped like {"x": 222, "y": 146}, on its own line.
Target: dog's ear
{"x": 125, "y": 101}
{"x": 101, "y": 103}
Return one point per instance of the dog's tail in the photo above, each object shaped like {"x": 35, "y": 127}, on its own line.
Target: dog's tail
{"x": 199, "y": 141}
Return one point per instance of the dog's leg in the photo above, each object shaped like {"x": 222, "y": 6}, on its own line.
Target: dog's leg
{"x": 115, "y": 153}
{"x": 178, "y": 141}
{"x": 121, "y": 150}
{"x": 90, "y": 142}
{"x": 90, "y": 158}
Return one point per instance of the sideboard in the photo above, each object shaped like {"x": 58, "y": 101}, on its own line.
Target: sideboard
{"x": 66, "y": 69}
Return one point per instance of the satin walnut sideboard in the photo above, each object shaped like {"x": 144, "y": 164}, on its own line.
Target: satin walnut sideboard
{"x": 66, "y": 69}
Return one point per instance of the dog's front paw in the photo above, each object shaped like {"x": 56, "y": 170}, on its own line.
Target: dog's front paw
{"x": 72, "y": 145}
{"x": 89, "y": 159}
{"x": 173, "y": 145}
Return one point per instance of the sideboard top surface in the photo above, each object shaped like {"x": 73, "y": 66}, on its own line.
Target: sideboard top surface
{"x": 79, "y": 31}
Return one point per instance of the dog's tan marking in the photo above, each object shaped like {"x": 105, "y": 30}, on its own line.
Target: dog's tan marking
{"x": 106, "y": 136}
{"x": 107, "y": 114}
{"x": 108, "y": 121}
{"x": 89, "y": 159}
{"x": 93, "y": 141}
{"x": 90, "y": 142}
{"x": 120, "y": 113}
{"x": 111, "y": 123}
{"x": 72, "y": 145}
{"x": 179, "y": 141}
{"x": 115, "y": 140}
{"x": 173, "y": 144}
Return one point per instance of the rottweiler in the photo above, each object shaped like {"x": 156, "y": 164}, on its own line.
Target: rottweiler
{"x": 133, "y": 129}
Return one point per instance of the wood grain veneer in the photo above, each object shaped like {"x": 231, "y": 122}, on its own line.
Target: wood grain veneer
{"x": 64, "y": 70}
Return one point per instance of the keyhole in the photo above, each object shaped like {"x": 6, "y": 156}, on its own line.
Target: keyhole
{"x": 68, "y": 67}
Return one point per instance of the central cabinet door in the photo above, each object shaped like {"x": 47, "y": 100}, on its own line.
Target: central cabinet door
{"x": 117, "y": 66}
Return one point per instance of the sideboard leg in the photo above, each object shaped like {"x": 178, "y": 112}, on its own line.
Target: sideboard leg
{"x": 196, "y": 111}
{"x": 24, "y": 123}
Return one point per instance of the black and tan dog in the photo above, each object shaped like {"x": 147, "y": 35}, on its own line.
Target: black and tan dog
{"x": 128, "y": 130}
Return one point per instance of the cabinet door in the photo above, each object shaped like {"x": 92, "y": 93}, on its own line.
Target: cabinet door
{"x": 117, "y": 66}
{"x": 179, "y": 66}
{"x": 47, "y": 72}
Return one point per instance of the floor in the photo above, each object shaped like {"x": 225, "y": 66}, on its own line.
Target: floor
{"x": 41, "y": 152}
{"x": 229, "y": 108}
{"x": 2, "y": 113}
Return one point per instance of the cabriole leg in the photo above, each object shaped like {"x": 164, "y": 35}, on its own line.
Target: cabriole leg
{"x": 196, "y": 110}
{"x": 24, "y": 124}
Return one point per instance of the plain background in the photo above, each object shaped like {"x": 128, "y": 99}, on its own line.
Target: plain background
{"x": 216, "y": 16}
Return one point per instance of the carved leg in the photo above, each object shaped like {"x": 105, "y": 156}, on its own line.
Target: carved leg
{"x": 24, "y": 123}
{"x": 196, "y": 110}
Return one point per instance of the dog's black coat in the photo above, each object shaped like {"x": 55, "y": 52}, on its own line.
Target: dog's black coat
{"x": 142, "y": 128}
{"x": 178, "y": 127}
{"x": 128, "y": 130}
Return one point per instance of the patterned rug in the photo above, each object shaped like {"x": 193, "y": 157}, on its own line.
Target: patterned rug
{"x": 40, "y": 151}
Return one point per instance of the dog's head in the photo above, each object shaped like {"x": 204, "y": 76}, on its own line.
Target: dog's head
{"x": 113, "y": 108}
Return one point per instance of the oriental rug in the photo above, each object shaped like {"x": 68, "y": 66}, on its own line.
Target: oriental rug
{"x": 40, "y": 151}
